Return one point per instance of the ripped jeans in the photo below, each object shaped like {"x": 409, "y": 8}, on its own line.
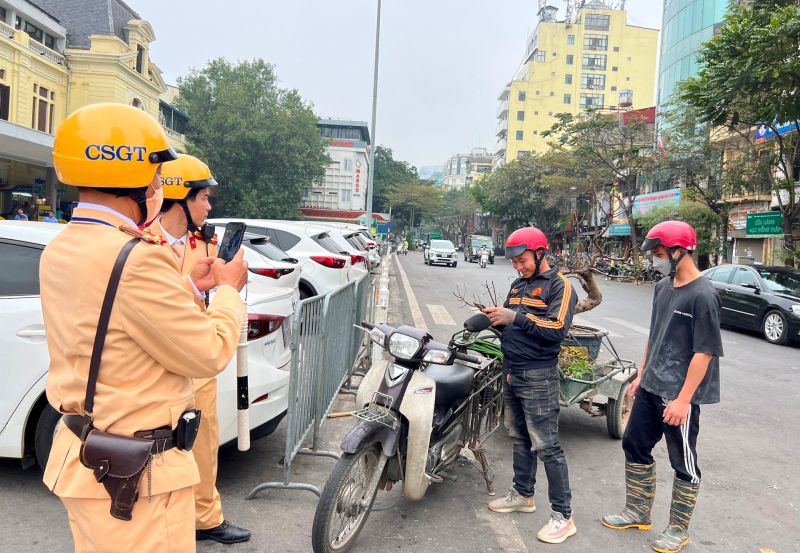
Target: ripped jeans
{"x": 531, "y": 416}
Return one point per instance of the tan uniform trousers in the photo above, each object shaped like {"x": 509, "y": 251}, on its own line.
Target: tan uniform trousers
{"x": 162, "y": 525}
{"x": 208, "y": 505}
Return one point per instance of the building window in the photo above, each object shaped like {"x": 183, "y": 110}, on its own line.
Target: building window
{"x": 594, "y": 62}
{"x": 537, "y": 92}
{"x": 3, "y": 14}
{"x": 520, "y": 116}
{"x": 550, "y": 113}
{"x": 591, "y": 101}
{"x": 570, "y": 57}
{"x": 139, "y": 58}
{"x": 597, "y": 22}
{"x": 555, "y": 54}
{"x": 570, "y": 39}
{"x": 595, "y": 42}
{"x": 521, "y": 95}
{"x": 552, "y": 73}
{"x": 50, "y": 41}
{"x": 614, "y": 68}
{"x": 627, "y": 78}
{"x": 43, "y": 109}
{"x": 35, "y": 32}
{"x": 613, "y": 88}
{"x": 567, "y": 98}
{"x": 552, "y": 93}
{"x": 519, "y": 135}
{"x": 137, "y": 103}
{"x": 536, "y": 113}
{"x": 629, "y": 59}
{"x": 345, "y": 195}
{"x": 616, "y": 48}
{"x": 593, "y": 82}
{"x": 541, "y": 55}
{"x": 5, "y": 97}
{"x": 18, "y": 22}
{"x": 568, "y": 78}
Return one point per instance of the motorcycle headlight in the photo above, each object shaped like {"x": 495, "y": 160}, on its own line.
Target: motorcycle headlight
{"x": 437, "y": 357}
{"x": 403, "y": 347}
{"x": 377, "y": 336}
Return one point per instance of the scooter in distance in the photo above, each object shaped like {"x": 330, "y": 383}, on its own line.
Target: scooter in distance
{"x": 484, "y": 259}
{"x": 419, "y": 412}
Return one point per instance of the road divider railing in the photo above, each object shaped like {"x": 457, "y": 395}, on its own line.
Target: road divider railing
{"x": 327, "y": 349}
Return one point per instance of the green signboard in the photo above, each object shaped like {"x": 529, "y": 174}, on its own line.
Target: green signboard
{"x": 767, "y": 223}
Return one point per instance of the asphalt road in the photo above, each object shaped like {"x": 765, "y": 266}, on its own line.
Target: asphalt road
{"x": 749, "y": 444}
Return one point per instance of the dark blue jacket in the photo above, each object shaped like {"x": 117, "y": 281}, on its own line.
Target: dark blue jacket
{"x": 545, "y": 304}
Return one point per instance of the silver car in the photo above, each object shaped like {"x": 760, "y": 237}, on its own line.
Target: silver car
{"x": 441, "y": 252}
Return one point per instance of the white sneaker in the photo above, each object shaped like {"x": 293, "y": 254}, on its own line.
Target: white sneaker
{"x": 557, "y": 529}
{"x": 513, "y": 503}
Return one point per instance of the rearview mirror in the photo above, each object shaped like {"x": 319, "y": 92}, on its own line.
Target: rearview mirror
{"x": 477, "y": 322}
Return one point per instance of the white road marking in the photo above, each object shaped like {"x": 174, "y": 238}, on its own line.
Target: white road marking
{"x": 629, "y": 325}
{"x": 583, "y": 321}
{"x": 440, "y": 315}
{"x": 505, "y": 529}
{"x": 416, "y": 312}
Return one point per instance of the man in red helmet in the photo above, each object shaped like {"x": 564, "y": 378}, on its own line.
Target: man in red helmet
{"x": 535, "y": 318}
{"x": 680, "y": 372}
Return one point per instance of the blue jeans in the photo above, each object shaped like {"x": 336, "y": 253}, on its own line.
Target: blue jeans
{"x": 531, "y": 416}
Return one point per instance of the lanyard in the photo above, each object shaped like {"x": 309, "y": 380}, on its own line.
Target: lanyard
{"x": 92, "y": 221}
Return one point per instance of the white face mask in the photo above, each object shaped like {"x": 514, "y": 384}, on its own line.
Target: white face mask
{"x": 154, "y": 200}
{"x": 662, "y": 265}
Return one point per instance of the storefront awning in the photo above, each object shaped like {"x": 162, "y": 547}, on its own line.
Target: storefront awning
{"x": 25, "y": 145}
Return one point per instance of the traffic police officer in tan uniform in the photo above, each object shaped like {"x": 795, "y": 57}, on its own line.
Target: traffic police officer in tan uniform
{"x": 187, "y": 183}
{"x": 158, "y": 338}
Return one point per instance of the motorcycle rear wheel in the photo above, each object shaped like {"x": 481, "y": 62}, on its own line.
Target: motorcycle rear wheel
{"x": 339, "y": 516}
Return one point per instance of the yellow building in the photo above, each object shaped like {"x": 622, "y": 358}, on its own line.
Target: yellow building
{"x": 33, "y": 101}
{"x": 592, "y": 60}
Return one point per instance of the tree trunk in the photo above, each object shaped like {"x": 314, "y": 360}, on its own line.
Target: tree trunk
{"x": 788, "y": 242}
{"x": 725, "y": 221}
{"x": 594, "y": 296}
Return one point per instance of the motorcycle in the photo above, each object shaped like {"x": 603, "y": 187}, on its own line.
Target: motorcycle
{"x": 484, "y": 259}
{"x": 429, "y": 402}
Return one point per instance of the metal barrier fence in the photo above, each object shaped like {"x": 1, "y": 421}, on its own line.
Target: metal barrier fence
{"x": 325, "y": 347}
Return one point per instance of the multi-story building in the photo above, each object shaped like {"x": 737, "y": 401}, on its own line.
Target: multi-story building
{"x": 433, "y": 173}
{"x": 33, "y": 101}
{"x": 344, "y": 187}
{"x": 590, "y": 60}
{"x": 686, "y": 25}
{"x": 461, "y": 170}
{"x": 55, "y": 57}
{"x": 173, "y": 119}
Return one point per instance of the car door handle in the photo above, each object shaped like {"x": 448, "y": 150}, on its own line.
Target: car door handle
{"x": 728, "y": 290}
{"x": 33, "y": 333}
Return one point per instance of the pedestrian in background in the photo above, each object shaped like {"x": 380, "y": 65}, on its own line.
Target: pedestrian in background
{"x": 21, "y": 215}
{"x": 535, "y": 318}
{"x": 138, "y": 397}
{"x": 51, "y": 218}
{"x": 680, "y": 373}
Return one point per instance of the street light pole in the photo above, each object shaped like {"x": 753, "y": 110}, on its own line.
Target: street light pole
{"x": 374, "y": 145}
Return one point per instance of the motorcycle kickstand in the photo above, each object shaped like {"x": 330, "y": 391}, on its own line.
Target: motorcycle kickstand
{"x": 486, "y": 469}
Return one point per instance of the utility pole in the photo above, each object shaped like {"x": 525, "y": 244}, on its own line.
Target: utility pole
{"x": 374, "y": 146}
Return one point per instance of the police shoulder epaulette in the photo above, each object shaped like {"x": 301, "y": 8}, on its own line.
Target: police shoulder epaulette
{"x": 144, "y": 236}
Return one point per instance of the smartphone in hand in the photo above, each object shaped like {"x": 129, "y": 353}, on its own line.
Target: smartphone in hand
{"x": 231, "y": 241}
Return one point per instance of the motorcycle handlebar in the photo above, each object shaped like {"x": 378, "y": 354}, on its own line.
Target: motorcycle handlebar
{"x": 368, "y": 326}
{"x": 467, "y": 358}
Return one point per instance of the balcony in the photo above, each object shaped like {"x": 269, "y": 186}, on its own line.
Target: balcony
{"x": 502, "y": 108}
{"x": 34, "y": 46}
{"x": 502, "y": 128}
{"x": 500, "y": 149}
{"x": 6, "y": 30}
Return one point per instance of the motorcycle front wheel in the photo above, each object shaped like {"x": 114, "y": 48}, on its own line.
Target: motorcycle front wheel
{"x": 343, "y": 507}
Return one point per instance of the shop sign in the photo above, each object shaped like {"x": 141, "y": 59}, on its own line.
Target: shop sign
{"x": 644, "y": 203}
{"x": 619, "y": 230}
{"x": 767, "y": 223}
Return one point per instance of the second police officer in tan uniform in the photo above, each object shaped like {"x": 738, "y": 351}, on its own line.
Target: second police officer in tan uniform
{"x": 147, "y": 359}
{"x": 187, "y": 183}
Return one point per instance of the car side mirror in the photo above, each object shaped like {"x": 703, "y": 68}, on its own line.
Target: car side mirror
{"x": 478, "y": 322}
{"x": 756, "y": 288}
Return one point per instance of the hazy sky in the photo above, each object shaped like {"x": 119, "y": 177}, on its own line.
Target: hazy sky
{"x": 442, "y": 65}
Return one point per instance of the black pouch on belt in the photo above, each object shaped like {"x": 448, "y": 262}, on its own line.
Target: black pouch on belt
{"x": 186, "y": 432}
{"x": 118, "y": 463}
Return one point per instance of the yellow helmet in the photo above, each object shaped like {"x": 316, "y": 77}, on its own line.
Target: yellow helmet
{"x": 180, "y": 176}
{"x": 110, "y": 146}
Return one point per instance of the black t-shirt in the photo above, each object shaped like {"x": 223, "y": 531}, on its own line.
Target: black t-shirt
{"x": 684, "y": 321}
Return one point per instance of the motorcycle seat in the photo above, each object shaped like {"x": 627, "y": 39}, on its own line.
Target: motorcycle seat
{"x": 453, "y": 382}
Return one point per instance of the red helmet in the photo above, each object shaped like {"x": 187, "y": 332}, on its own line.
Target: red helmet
{"x": 671, "y": 234}
{"x": 526, "y": 238}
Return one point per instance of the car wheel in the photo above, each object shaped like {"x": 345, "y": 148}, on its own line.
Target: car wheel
{"x": 491, "y": 261}
{"x": 775, "y": 328}
{"x": 45, "y": 431}
{"x": 455, "y": 263}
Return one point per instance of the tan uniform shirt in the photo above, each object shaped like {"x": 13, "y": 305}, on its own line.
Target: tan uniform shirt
{"x": 158, "y": 340}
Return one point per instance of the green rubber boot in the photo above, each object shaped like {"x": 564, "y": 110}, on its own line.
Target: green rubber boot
{"x": 676, "y": 535}
{"x": 640, "y": 491}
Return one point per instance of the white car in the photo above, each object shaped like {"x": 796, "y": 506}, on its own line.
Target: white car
{"x": 338, "y": 242}
{"x": 27, "y": 421}
{"x": 360, "y": 238}
{"x": 321, "y": 270}
{"x": 441, "y": 251}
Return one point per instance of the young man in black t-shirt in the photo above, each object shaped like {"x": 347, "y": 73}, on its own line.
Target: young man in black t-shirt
{"x": 680, "y": 372}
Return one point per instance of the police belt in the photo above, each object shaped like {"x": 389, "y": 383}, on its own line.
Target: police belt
{"x": 163, "y": 438}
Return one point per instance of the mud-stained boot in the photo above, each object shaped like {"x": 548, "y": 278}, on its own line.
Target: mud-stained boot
{"x": 640, "y": 491}
{"x": 676, "y": 535}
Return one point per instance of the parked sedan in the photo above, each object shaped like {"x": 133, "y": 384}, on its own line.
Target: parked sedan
{"x": 762, "y": 298}
{"x": 441, "y": 251}
{"x": 27, "y": 421}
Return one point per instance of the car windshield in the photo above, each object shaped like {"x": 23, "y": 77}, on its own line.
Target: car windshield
{"x": 442, "y": 245}
{"x": 269, "y": 250}
{"x": 787, "y": 282}
{"x": 478, "y": 242}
